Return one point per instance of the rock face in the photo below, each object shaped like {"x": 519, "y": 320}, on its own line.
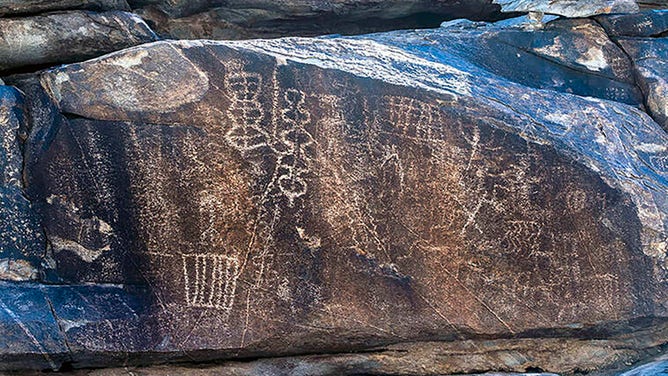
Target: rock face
{"x": 244, "y": 19}
{"x": 644, "y": 38}
{"x": 67, "y": 37}
{"x": 397, "y": 203}
{"x": 264, "y": 198}
{"x": 569, "y": 8}
{"x": 566, "y": 55}
{"x": 10, "y": 7}
{"x": 651, "y": 65}
{"x": 21, "y": 240}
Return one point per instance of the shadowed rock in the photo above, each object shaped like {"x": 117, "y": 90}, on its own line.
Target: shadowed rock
{"x": 243, "y": 19}
{"x": 67, "y": 37}
{"x": 8, "y": 7}
{"x": 651, "y": 64}
{"x": 21, "y": 241}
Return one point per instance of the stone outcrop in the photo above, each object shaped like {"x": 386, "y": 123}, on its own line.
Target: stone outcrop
{"x": 243, "y": 19}
{"x": 569, "y": 8}
{"x": 67, "y": 37}
{"x": 407, "y": 202}
{"x": 644, "y": 37}
{"x": 651, "y": 64}
{"x": 273, "y": 198}
{"x": 23, "y": 7}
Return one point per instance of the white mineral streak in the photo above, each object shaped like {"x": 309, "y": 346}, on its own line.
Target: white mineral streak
{"x": 569, "y": 8}
{"x": 16, "y": 270}
{"x": 366, "y": 58}
{"x": 86, "y": 254}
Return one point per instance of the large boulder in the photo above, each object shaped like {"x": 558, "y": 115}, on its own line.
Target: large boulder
{"x": 36, "y": 41}
{"x": 292, "y": 196}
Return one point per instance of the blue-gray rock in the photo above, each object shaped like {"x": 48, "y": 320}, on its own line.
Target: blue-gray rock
{"x": 21, "y": 241}
{"x": 651, "y": 65}
{"x": 30, "y": 335}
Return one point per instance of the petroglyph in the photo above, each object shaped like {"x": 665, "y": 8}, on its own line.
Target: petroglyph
{"x": 210, "y": 280}
{"x": 523, "y": 237}
{"x": 414, "y": 118}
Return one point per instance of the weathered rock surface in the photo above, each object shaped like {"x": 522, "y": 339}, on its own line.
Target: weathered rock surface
{"x": 67, "y": 37}
{"x": 21, "y": 241}
{"x": 244, "y": 19}
{"x": 653, "y": 4}
{"x": 569, "y": 8}
{"x": 643, "y": 36}
{"x": 298, "y": 196}
{"x": 651, "y": 62}
{"x": 567, "y": 55}
{"x": 642, "y": 24}
{"x": 22, "y": 7}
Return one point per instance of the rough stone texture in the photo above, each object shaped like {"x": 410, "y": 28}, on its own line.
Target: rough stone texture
{"x": 327, "y": 195}
{"x": 651, "y": 62}
{"x": 9, "y": 7}
{"x": 31, "y": 338}
{"x": 569, "y": 8}
{"x": 244, "y": 19}
{"x": 643, "y": 24}
{"x": 653, "y": 4}
{"x": 67, "y": 37}
{"x": 21, "y": 241}
{"x": 571, "y": 56}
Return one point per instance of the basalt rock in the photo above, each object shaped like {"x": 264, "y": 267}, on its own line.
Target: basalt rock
{"x": 244, "y": 19}
{"x": 21, "y": 240}
{"x": 209, "y": 200}
{"x": 651, "y": 64}
{"x": 36, "y": 41}
{"x": 569, "y": 8}
{"x": 642, "y": 24}
{"x": 567, "y": 55}
{"x": 22, "y": 7}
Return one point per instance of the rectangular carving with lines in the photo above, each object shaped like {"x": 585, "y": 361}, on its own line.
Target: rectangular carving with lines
{"x": 210, "y": 280}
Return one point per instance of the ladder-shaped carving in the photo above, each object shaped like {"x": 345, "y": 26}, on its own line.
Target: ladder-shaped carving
{"x": 210, "y": 280}
{"x": 245, "y": 111}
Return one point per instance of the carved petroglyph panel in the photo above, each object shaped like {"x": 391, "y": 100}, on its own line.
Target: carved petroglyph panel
{"x": 210, "y": 280}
